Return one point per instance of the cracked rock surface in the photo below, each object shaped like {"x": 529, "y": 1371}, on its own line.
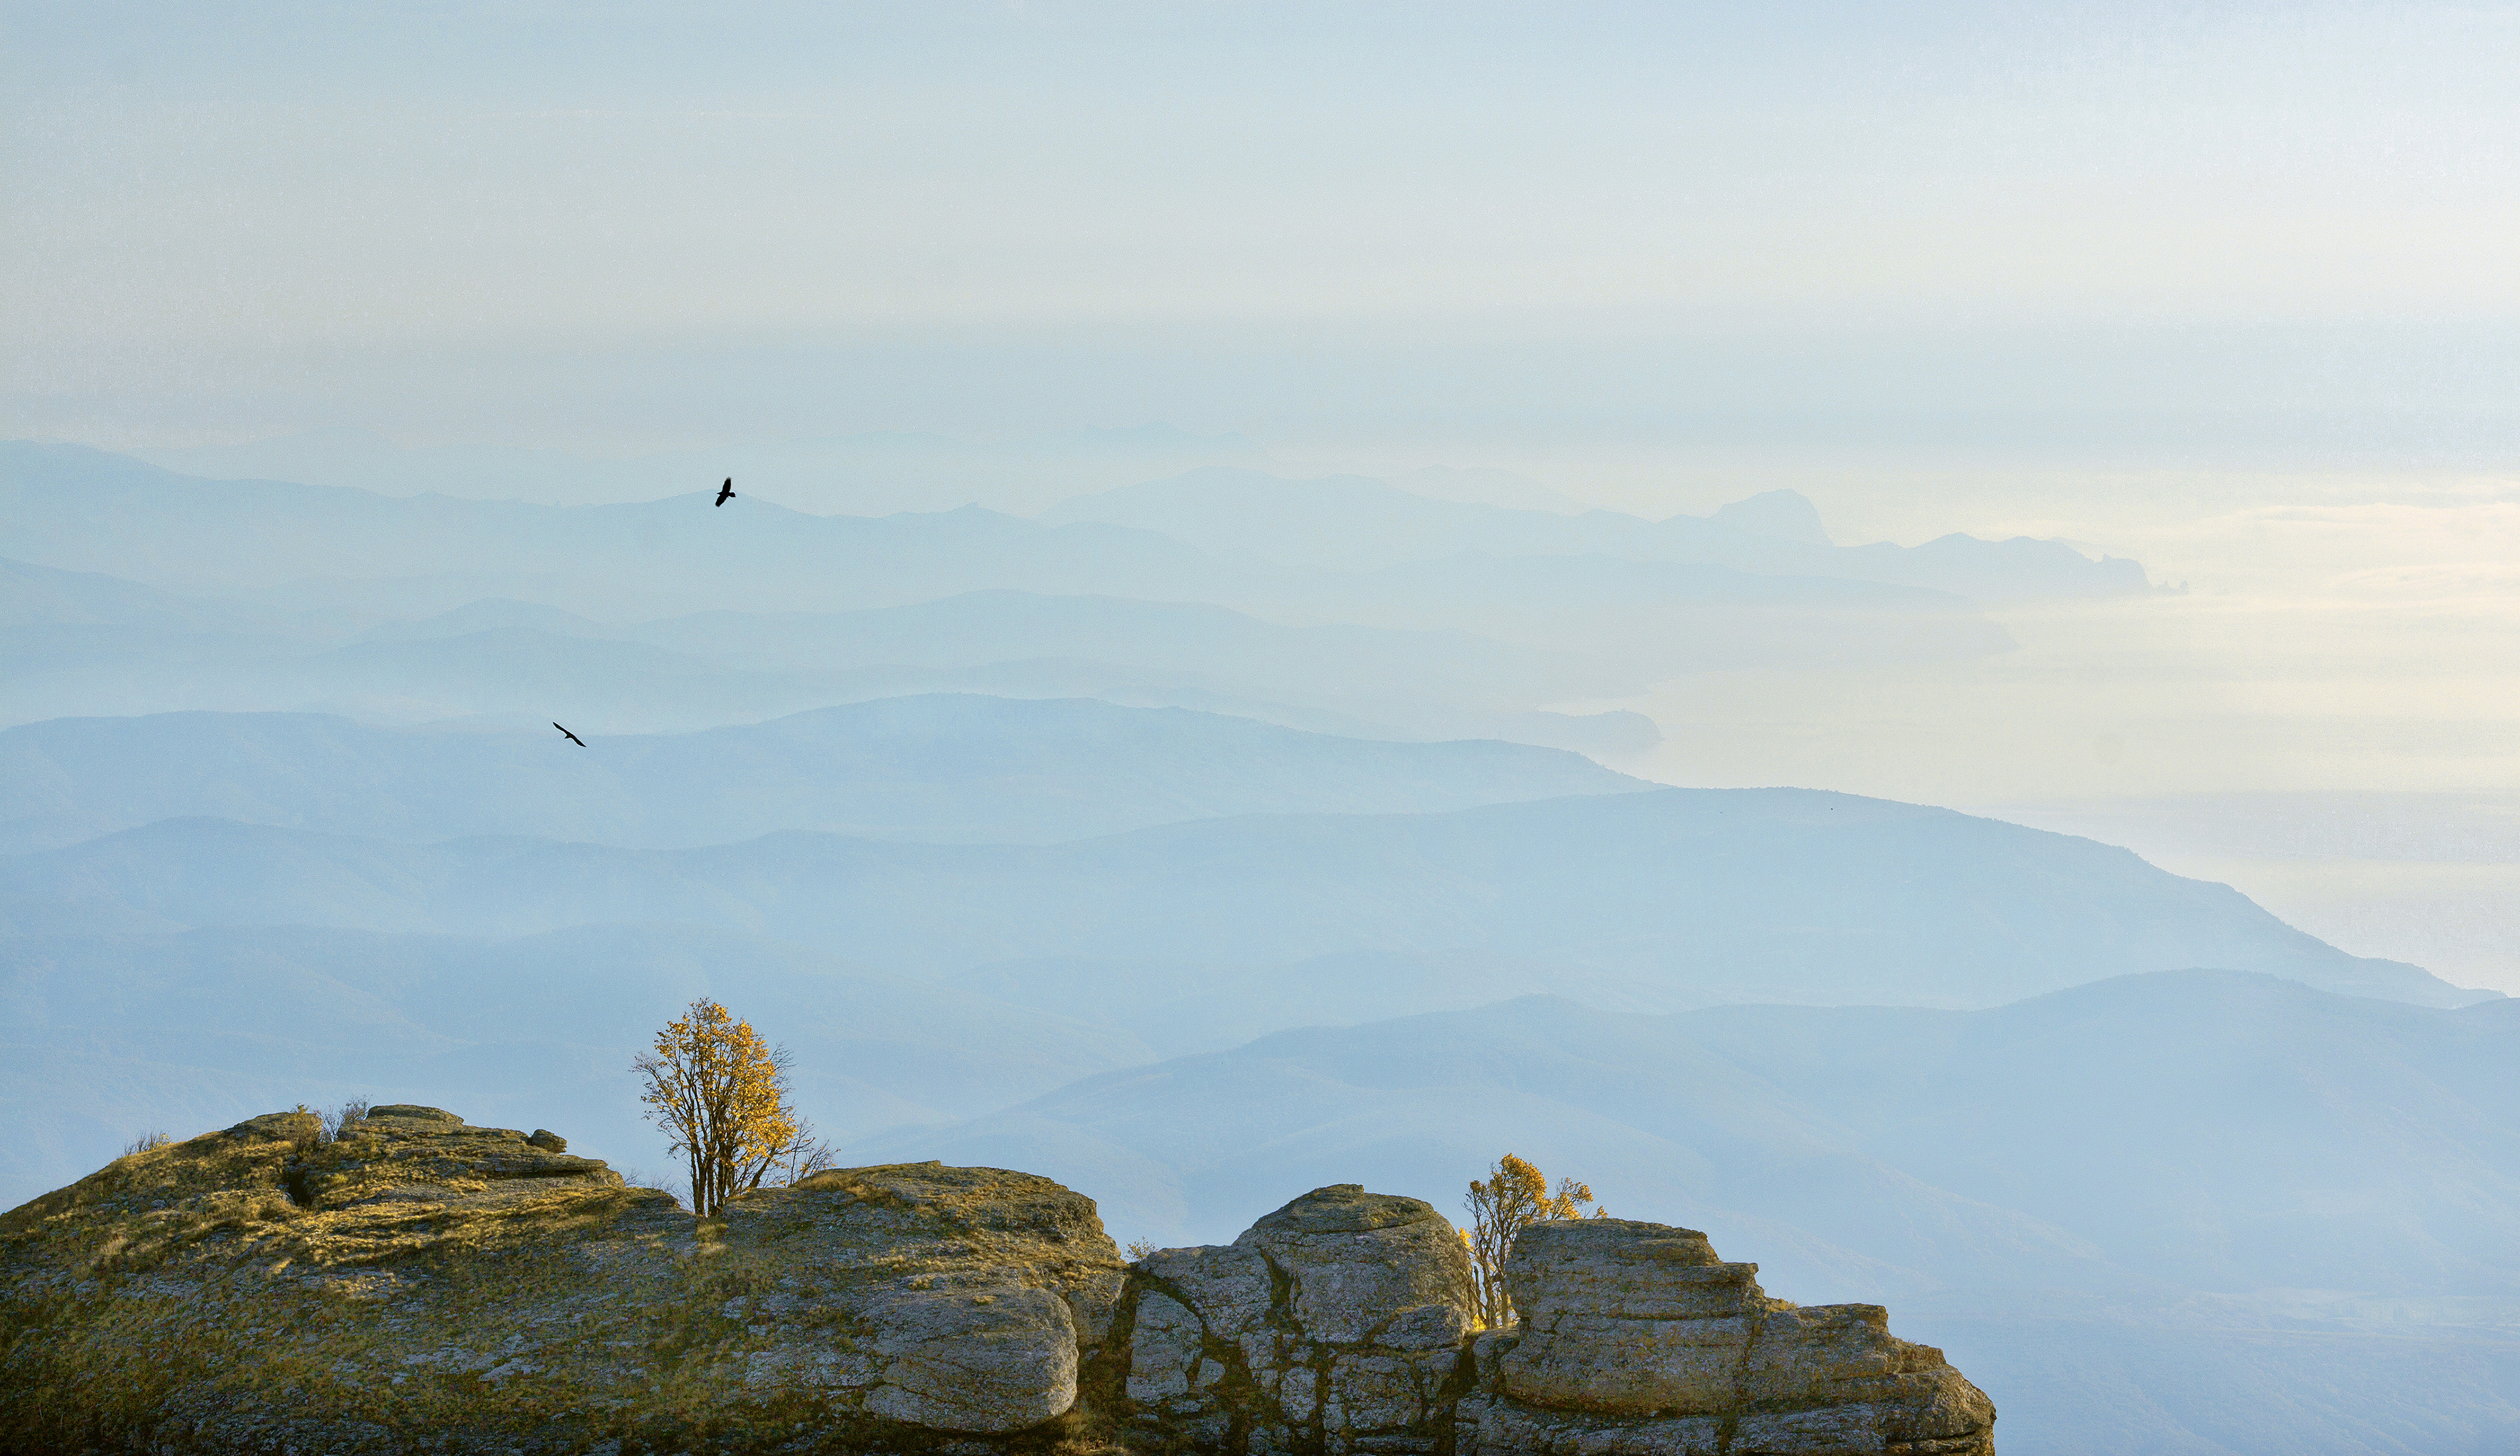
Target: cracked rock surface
{"x": 1636, "y": 1340}
{"x": 1334, "y": 1324}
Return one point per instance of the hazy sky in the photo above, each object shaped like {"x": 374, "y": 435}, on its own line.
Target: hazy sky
{"x": 1432, "y": 228}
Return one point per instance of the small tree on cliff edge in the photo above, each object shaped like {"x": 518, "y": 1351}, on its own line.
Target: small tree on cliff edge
{"x": 1514, "y": 1196}
{"x": 721, "y": 1092}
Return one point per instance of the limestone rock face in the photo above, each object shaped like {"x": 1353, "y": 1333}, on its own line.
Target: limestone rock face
{"x": 957, "y": 1360}
{"x": 424, "y": 1284}
{"x": 1636, "y": 1339}
{"x": 419, "y": 1284}
{"x": 1334, "y": 1324}
{"x": 971, "y": 1294}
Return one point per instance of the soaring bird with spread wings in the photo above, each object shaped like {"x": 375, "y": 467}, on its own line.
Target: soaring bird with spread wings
{"x": 726, "y": 492}
{"x": 573, "y": 737}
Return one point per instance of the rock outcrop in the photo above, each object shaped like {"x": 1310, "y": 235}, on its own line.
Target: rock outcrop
{"x": 419, "y": 1284}
{"x": 1635, "y": 1339}
{"x": 1334, "y": 1324}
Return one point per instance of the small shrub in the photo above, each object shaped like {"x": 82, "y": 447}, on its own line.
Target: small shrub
{"x": 341, "y": 1116}
{"x": 1514, "y": 1196}
{"x": 808, "y": 1156}
{"x": 1139, "y": 1249}
{"x": 146, "y": 1141}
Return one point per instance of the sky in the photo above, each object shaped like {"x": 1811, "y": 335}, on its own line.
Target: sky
{"x": 2227, "y": 288}
{"x": 1524, "y": 230}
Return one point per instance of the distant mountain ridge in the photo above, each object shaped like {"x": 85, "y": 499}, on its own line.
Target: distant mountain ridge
{"x": 531, "y": 1025}
{"x": 82, "y": 509}
{"x": 88, "y": 642}
{"x": 870, "y": 474}
{"x": 1357, "y": 523}
{"x": 1484, "y": 641}
{"x": 953, "y": 767}
{"x": 1654, "y": 901}
{"x": 1299, "y": 520}
{"x": 1556, "y": 629}
{"x": 1986, "y": 1106}
{"x": 2116, "y": 1204}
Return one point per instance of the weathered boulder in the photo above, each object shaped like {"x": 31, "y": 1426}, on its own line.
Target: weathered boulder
{"x": 1636, "y": 1341}
{"x": 959, "y": 1360}
{"x": 970, "y": 1294}
{"x": 424, "y": 1284}
{"x": 415, "y": 1111}
{"x": 1334, "y": 1324}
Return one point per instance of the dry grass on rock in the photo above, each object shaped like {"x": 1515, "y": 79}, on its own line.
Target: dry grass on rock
{"x": 418, "y": 1282}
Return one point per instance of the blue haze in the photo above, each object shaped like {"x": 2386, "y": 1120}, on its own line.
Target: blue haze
{"x": 1633, "y": 477}
{"x": 1201, "y": 840}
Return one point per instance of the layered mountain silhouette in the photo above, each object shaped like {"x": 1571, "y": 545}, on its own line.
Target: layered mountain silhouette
{"x": 144, "y": 1029}
{"x": 1555, "y": 629}
{"x": 2120, "y": 1202}
{"x": 81, "y": 509}
{"x": 1470, "y": 621}
{"x": 1163, "y": 842}
{"x": 1655, "y": 901}
{"x": 1237, "y": 537}
{"x": 2232, "y": 1106}
{"x": 890, "y": 469}
{"x": 964, "y": 767}
{"x": 1359, "y": 523}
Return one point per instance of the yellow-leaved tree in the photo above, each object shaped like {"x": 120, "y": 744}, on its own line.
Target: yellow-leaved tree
{"x": 1514, "y": 1197}
{"x": 721, "y": 1092}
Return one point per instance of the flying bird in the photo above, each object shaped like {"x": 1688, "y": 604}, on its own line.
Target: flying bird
{"x": 726, "y": 492}
{"x": 573, "y": 737}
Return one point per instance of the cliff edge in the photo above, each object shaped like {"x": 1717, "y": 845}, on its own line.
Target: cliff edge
{"x": 421, "y": 1284}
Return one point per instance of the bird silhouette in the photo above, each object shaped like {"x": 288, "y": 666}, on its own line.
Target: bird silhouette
{"x": 726, "y": 492}
{"x": 573, "y": 737}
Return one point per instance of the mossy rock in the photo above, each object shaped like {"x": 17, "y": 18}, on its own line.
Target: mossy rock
{"x": 422, "y": 1284}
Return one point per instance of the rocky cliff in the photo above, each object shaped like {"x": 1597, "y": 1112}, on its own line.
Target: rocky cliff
{"x": 422, "y": 1285}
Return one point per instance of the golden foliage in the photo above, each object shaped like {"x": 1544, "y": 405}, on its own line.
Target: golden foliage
{"x": 721, "y": 1092}
{"x": 1514, "y": 1196}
